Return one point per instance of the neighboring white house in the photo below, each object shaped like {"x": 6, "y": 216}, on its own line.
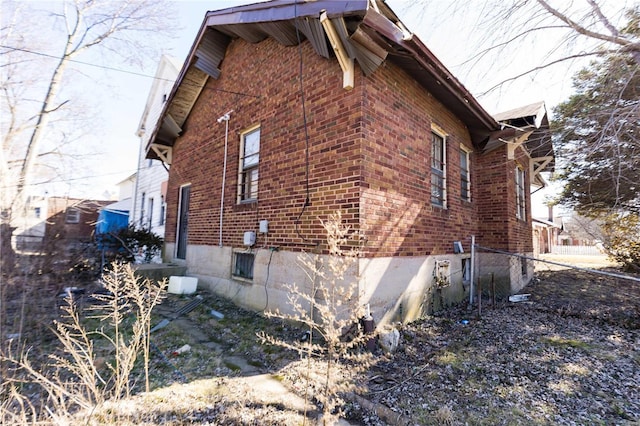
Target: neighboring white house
{"x": 30, "y": 226}
{"x": 149, "y": 203}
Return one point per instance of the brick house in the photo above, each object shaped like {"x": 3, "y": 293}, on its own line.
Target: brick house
{"x": 286, "y": 112}
{"x": 69, "y": 230}
{"x": 65, "y": 222}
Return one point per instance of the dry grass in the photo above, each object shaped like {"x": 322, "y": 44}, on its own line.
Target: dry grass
{"x": 570, "y": 356}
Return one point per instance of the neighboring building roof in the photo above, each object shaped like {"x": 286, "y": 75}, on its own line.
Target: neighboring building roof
{"x": 119, "y": 206}
{"x": 544, "y": 222}
{"x": 368, "y": 29}
{"x": 128, "y": 179}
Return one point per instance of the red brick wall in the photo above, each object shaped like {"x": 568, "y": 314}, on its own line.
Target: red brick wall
{"x": 269, "y": 73}
{"x": 57, "y": 227}
{"x": 369, "y": 156}
{"x": 397, "y": 162}
{"x": 499, "y": 227}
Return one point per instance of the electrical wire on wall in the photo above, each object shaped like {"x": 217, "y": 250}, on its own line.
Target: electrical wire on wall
{"x": 307, "y": 200}
{"x": 266, "y": 281}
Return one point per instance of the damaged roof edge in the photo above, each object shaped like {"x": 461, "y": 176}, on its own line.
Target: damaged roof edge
{"x": 375, "y": 14}
{"x": 174, "y": 89}
{"x": 430, "y": 62}
{"x": 279, "y": 10}
{"x": 255, "y": 12}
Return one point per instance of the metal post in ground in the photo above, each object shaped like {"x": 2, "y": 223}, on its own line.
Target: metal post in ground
{"x": 479, "y": 298}
{"x": 473, "y": 267}
{"x": 493, "y": 291}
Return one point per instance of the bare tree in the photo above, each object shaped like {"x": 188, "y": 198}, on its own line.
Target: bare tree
{"x": 596, "y": 45}
{"x": 530, "y": 36}
{"x": 38, "y": 49}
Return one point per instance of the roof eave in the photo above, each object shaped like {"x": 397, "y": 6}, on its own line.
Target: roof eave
{"x": 437, "y": 78}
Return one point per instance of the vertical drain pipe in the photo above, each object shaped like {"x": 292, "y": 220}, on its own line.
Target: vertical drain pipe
{"x": 224, "y": 118}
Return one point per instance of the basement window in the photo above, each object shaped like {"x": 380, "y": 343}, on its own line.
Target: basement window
{"x": 466, "y": 270}
{"x": 524, "y": 267}
{"x": 243, "y": 265}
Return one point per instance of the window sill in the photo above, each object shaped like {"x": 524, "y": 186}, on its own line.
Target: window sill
{"x": 242, "y": 279}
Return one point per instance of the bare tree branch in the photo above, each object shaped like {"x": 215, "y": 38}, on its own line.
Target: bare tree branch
{"x": 540, "y": 67}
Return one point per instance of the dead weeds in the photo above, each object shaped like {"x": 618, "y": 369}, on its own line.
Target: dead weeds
{"x": 570, "y": 355}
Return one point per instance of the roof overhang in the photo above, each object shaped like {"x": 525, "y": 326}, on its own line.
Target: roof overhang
{"x": 526, "y": 127}
{"x": 365, "y": 31}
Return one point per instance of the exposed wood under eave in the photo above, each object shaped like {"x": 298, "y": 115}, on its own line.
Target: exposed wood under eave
{"x": 177, "y": 110}
{"x": 539, "y": 164}
{"x": 163, "y": 153}
{"x": 516, "y": 143}
{"x": 369, "y": 33}
{"x": 346, "y": 63}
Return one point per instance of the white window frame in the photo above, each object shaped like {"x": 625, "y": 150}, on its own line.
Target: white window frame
{"x": 72, "y": 215}
{"x": 521, "y": 199}
{"x": 248, "y": 177}
{"x": 438, "y": 171}
{"x": 466, "y": 153}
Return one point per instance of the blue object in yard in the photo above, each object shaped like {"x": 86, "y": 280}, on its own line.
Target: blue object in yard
{"x": 110, "y": 221}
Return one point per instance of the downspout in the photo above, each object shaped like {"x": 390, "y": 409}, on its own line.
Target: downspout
{"x": 224, "y": 118}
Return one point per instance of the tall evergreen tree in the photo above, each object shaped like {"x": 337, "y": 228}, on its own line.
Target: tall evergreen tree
{"x": 597, "y": 136}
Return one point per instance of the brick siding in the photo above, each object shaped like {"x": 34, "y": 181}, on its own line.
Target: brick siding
{"x": 369, "y": 156}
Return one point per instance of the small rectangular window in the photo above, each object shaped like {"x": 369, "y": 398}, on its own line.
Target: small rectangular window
{"x": 36, "y": 212}
{"x": 150, "y": 212}
{"x": 465, "y": 175}
{"x": 142, "y": 202}
{"x": 521, "y": 206}
{"x": 249, "y": 160}
{"x": 243, "y": 265}
{"x": 438, "y": 170}
{"x": 163, "y": 209}
{"x": 466, "y": 270}
{"x": 72, "y": 215}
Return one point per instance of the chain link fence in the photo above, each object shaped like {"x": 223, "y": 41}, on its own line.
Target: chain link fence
{"x": 570, "y": 285}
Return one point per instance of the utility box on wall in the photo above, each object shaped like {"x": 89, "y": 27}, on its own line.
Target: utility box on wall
{"x": 249, "y": 238}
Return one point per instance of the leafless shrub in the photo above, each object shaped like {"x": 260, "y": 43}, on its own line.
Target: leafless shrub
{"x": 91, "y": 366}
{"x": 329, "y": 310}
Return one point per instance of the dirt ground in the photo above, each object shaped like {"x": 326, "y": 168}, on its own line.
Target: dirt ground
{"x": 569, "y": 355}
